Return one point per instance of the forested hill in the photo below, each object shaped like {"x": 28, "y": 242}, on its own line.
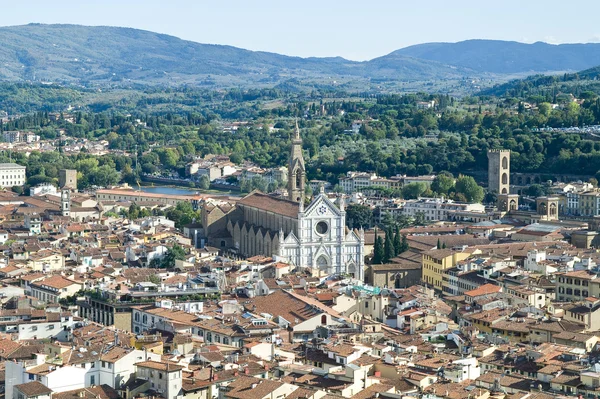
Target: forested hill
{"x": 504, "y": 57}
{"x": 549, "y": 85}
{"x": 74, "y": 53}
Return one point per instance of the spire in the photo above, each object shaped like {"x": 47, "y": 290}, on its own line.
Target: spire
{"x": 297, "y": 131}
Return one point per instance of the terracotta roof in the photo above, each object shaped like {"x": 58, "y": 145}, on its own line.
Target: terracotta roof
{"x": 57, "y": 282}
{"x": 245, "y": 387}
{"x": 166, "y": 366}
{"x": 98, "y": 392}
{"x": 484, "y": 290}
{"x": 271, "y": 204}
{"x": 33, "y": 388}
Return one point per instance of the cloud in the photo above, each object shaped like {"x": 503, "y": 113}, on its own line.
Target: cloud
{"x": 550, "y": 40}
{"x": 595, "y": 38}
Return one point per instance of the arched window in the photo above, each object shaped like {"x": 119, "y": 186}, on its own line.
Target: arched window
{"x": 505, "y": 163}
{"x": 208, "y": 337}
{"x": 324, "y": 319}
{"x": 225, "y": 340}
{"x": 298, "y": 182}
{"x": 144, "y": 319}
{"x": 504, "y": 178}
{"x": 137, "y": 317}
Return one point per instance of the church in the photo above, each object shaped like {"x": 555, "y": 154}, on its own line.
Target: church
{"x": 313, "y": 236}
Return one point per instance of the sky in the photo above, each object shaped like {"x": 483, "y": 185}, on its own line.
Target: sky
{"x": 356, "y": 30}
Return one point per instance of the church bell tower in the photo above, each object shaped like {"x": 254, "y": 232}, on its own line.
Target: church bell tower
{"x": 296, "y": 169}
{"x": 65, "y": 202}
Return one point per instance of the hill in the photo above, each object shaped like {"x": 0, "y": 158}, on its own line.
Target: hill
{"x": 549, "y": 85}
{"x": 504, "y": 57}
{"x": 83, "y": 54}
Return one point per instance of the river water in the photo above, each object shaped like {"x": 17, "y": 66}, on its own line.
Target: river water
{"x": 170, "y": 190}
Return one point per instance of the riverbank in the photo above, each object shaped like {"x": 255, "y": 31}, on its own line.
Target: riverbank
{"x": 184, "y": 185}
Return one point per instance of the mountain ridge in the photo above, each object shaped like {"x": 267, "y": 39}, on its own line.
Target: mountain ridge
{"x": 91, "y": 55}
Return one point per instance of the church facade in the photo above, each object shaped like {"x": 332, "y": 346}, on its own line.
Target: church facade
{"x": 314, "y": 236}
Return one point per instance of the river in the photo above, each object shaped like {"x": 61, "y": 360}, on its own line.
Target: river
{"x": 169, "y": 190}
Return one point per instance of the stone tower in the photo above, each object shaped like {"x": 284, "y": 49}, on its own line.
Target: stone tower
{"x": 296, "y": 169}
{"x": 67, "y": 178}
{"x": 499, "y": 171}
{"x": 65, "y": 200}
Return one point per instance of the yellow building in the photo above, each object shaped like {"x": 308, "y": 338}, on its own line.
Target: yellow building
{"x": 436, "y": 261}
{"x": 152, "y": 343}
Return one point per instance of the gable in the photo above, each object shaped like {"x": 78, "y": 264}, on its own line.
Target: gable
{"x": 321, "y": 206}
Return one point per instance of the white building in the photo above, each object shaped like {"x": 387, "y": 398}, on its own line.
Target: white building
{"x": 438, "y": 208}
{"x": 56, "y": 325}
{"x": 323, "y": 243}
{"x": 12, "y": 174}
{"x": 165, "y": 378}
{"x": 356, "y": 181}
{"x": 15, "y": 136}
{"x": 43, "y": 189}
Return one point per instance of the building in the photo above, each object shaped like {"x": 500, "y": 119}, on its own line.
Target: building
{"x": 499, "y": 180}
{"x": 314, "y": 237}
{"x": 12, "y": 174}
{"x": 438, "y": 208}
{"x": 436, "y": 261}
{"x": 296, "y": 169}
{"x": 164, "y": 377}
{"x": 54, "y": 288}
{"x": 31, "y": 390}
{"x": 499, "y": 171}
{"x": 17, "y": 136}
{"x": 356, "y": 181}
{"x": 43, "y": 189}
{"x": 67, "y": 178}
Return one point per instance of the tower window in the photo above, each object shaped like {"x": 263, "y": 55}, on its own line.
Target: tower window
{"x": 298, "y": 178}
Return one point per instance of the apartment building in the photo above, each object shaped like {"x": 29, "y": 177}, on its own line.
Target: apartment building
{"x": 438, "y": 208}
{"x": 11, "y": 174}
{"x": 577, "y": 285}
{"x": 436, "y": 262}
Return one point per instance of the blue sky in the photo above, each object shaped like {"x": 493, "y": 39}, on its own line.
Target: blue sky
{"x": 352, "y": 29}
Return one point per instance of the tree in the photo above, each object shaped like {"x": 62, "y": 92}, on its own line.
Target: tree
{"x": 404, "y": 247}
{"x": 176, "y": 252}
{"x": 536, "y": 190}
{"x": 413, "y": 190}
{"x": 182, "y": 214}
{"x": 419, "y": 219}
{"x": 468, "y": 187}
{"x": 439, "y": 244}
{"x": 358, "y": 216}
{"x": 388, "y": 248}
{"x": 204, "y": 182}
{"x": 442, "y": 183}
{"x": 378, "y": 250}
{"x": 397, "y": 241}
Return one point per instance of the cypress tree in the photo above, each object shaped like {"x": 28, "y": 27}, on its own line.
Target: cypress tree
{"x": 378, "y": 251}
{"x": 388, "y": 249}
{"x": 405, "y": 246}
{"x": 439, "y": 244}
{"x": 397, "y": 242}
